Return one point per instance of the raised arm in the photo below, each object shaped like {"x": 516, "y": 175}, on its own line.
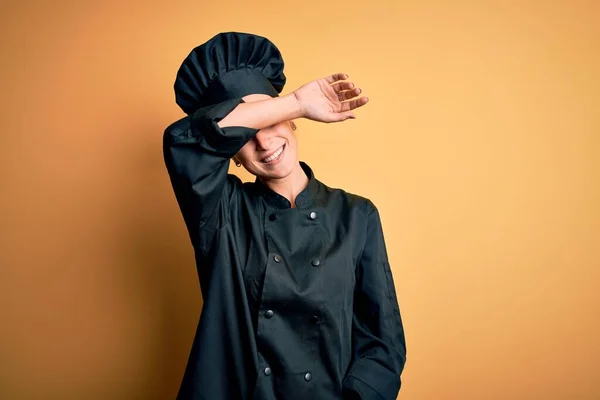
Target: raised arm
{"x": 330, "y": 99}
{"x": 197, "y": 152}
{"x": 197, "y": 148}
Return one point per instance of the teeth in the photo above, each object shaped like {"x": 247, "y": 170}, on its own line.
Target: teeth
{"x": 274, "y": 156}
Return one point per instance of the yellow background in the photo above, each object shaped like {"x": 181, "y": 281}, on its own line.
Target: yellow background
{"x": 480, "y": 147}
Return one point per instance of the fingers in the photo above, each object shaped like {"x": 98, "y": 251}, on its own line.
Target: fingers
{"x": 350, "y": 101}
{"x": 354, "y": 104}
{"x": 336, "y": 77}
{"x": 344, "y": 85}
{"x": 345, "y": 90}
{"x": 348, "y": 94}
{"x": 339, "y": 84}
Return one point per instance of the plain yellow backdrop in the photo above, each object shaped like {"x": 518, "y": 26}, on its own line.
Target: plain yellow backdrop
{"x": 480, "y": 147}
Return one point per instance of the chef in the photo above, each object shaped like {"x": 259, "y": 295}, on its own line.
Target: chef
{"x": 299, "y": 298}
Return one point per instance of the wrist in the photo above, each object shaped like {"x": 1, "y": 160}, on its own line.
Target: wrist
{"x": 297, "y": 110}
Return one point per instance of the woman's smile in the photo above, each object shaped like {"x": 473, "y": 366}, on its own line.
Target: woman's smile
{"x": 275, "y": 157}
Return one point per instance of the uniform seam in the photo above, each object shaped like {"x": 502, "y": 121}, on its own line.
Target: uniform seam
{"x": 362, "y": 250}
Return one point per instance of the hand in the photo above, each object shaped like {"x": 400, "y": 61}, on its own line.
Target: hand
{"x": 329, "y": 99}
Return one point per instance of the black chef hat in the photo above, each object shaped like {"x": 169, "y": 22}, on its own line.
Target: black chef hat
{"x": 229, "y": 65}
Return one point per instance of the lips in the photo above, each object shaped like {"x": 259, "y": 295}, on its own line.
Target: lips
{"x": 274, "y": 156}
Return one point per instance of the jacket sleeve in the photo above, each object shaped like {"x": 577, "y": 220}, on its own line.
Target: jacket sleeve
{"x": 379, "y": 348}
{"x": 197, "y": 153}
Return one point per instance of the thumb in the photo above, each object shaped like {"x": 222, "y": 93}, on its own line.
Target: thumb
{"x": 347, "y": 115}
{"x": 342, "y": 117}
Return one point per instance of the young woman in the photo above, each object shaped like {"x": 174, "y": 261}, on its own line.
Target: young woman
{"x": 299, "y": 300}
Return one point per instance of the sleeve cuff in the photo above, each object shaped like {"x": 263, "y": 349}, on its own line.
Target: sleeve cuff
{"x": 371, "y": 381}
{"x": 225, "y": 141}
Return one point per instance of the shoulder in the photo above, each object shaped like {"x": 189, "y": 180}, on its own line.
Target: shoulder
{"x": 354, "y": 201}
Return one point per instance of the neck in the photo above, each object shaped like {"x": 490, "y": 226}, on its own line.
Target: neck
{"x": 290, "y": 186}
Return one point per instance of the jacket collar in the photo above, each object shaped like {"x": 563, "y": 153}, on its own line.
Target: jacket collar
{"x": 304, "y": 199}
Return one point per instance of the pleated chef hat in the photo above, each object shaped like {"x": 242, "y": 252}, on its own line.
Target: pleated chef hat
{"x": 229, "y": 65}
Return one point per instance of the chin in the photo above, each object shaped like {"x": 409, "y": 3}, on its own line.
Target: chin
{"x": 282, "y": 171}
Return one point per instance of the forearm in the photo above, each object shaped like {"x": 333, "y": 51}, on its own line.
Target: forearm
{"x": 263, "y": 113}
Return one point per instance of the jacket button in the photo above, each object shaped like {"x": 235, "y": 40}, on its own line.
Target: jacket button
{"x": 267, "y": 371}
{"x": 272, "y": 217}
{"x": 307, "y": 377}
{"x": 316, "y": 262}
{"x": 312, "y": 215}
{"x": 314, "y": 319}
{"x": 269, "y": 313}
{"x": 277, "y": 258}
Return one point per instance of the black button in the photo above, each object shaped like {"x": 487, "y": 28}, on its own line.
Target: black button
{"x": 316, "y": 262}
{"x": 267, "y": 371}
{"x": 307, "y": 377}
{"x": 277, "y": 258}
{"x": 314, "y": 319}
{"x": 272, "y": 217}
{"x": 312, "y": 215}
{"x": 269, "y": 313}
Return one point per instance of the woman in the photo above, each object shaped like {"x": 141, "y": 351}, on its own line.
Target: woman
{"x": 299, "y": 301}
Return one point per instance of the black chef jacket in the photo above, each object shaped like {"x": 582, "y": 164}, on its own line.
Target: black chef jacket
{"x": 299, "y": 303}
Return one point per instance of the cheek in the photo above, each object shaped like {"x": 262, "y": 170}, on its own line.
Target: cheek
{"x": 293, "y": 144}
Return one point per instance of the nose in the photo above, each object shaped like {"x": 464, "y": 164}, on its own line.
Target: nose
{"x": 263, "y": 139}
